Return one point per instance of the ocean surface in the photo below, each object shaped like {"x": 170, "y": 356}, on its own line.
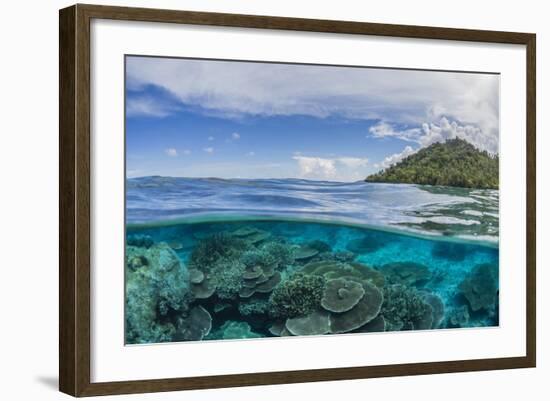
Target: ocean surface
{"x": 441, "y": 211}
{"x": 447, "y": 237}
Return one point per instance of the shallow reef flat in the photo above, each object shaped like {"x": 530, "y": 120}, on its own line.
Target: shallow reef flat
{"x": 229, "y": 280}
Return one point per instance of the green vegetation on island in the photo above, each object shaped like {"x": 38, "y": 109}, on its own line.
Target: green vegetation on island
{"x": 454, "y": 163}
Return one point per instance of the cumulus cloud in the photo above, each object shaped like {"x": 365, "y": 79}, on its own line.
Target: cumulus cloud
{"x": 396, "y": 157}
{"x": 402, "y": 97}
{"x": 431, "y": 133}
{"x": 172, "y": 152}
{"x": 332, "y": 169}
{"x": 208, "y": 149}
{"x": 445, "y": 129}
{"x": 235, "y": 136}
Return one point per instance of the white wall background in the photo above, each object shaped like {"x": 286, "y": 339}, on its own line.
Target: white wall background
{"x": 28, "y": 212}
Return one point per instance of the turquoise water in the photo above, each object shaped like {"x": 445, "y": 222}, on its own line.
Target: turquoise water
{"x": 217, "y": 259}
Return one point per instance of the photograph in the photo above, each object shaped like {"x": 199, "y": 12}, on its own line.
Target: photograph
{"x": 273, "y": 199}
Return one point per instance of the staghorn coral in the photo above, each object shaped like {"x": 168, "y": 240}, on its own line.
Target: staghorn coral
{"x": 480, "y": 287}
{"x": 298, "y": 295}
{"x": 155, "y": 290}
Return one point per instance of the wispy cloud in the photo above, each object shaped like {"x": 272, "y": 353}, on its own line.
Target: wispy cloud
{"x": 172, "y": 152}
{"x": 210, "y": 138}
{"x": 235, "y": 136}
{"x": 383, "y": 129}
{"x": 208, "y": 150}
{"x": 146, "y": 106}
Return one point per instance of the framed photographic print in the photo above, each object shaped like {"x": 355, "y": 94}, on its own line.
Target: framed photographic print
{"x": 250, "y": 200}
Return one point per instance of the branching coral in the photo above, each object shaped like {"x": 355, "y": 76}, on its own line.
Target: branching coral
{"x": 297, "y": 296}
{"x": 405, "y": 308}
{"x": 228, "y": 277}
{"x": 215, "y": 247}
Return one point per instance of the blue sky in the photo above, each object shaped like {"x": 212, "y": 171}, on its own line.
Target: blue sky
{"x": 203, "y": 118}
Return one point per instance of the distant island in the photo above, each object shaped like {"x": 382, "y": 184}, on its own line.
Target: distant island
{"x": 455, "y": 163}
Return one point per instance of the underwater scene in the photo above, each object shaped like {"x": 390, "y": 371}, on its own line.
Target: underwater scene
{"x": 273, "y": 199}
{"x": 205, "y": 263}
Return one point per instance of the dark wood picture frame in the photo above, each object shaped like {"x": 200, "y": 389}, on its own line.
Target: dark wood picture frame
{"x": 74, "y": 199}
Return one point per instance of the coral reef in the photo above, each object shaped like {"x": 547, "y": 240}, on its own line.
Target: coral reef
{"x": 254, "y": 307}
{"x": 340, "y": 295}
{"x": 363, "y": 312}
{"x": 154, "y": 290}
{"x": 297, "y": 296}
{"x": 406, "y": 308}
{"x": 215, "y": 247}
{"x": 247, "y": 282}
{"x": 194, "y": 326}
{"x": 480, "y": 287}
{"x": 315, "y": 323}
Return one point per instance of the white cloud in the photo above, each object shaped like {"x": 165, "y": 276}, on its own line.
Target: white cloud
{"x": 396, "y": 157}
{"x": 399, "y": 97}
{"x": 332, "y": 169}
{"x": 172, "y": 152}
{"x": 251, "y": 153}
{"x": 383, "y": 129}
{"x": 435, "y": 132}
{"x": 186, "y": 152}
{"x": 210, "y": 138}
{"x": 235, "y": 136}
{"x": 144, "y": 106}
{"x": 445, "y": 129}
{"x": 208, "y": 149}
